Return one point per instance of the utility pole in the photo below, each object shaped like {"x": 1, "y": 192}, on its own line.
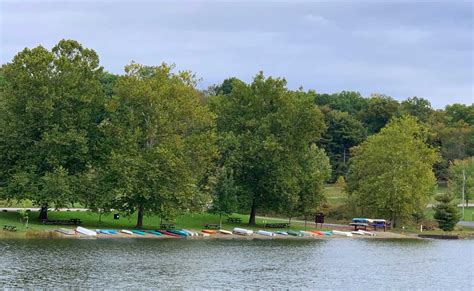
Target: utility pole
{"x": 463, "y": 187}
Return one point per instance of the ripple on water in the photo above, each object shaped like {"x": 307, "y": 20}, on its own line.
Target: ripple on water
{"x": 140, "y": 263}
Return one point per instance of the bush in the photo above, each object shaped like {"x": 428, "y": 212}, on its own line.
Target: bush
{"x": 446, "y": 212}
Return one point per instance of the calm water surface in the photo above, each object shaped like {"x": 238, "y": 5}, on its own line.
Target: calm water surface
{"x": 182, "y": 264}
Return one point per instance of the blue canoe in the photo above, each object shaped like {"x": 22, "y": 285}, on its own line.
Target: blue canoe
{"x": 179, "y": 232}
{"x": 154, "y": 232}
{"x": 138, "y": 232}
{"x": 106, "y": 231}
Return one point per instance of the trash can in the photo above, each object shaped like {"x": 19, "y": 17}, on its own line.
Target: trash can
{"x": 319, "y": 218}
{"x": 116, "y": 216}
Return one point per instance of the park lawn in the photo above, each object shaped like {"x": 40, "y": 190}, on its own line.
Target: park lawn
{"x": 468, "y": 213}
{"x": 91, "y": 220}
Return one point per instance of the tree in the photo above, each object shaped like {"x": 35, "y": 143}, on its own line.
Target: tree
{"x": 225, "y": 191}
{"x": 417, "y": 107}
{"x": 163, "y": 142}
{"x": 315, "y": 170}
{"x": 52, "y": 104}
{"x": 378, "y": 113}
{"x": 345, "y": 101}
{"x": 446, "y": 212}
{"x": 461, "y": 178}
{"x": 265, "y": 131}
{"x": 343, "y": 132}
{"x": 391, "y": 172}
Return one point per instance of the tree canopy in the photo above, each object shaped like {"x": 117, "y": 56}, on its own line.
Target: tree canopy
{"x": 391, "y": 172}
{"x": 266, "y": 135}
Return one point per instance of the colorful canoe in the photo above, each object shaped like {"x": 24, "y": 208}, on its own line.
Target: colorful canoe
{"x": 265, "y": 233}
{"x": 306, "y": 233}
{"x": 342, "y": 233}
{"x": 85, "y": 231}
{"x": 165, "y": 232}
{"x": 190, "y": 233}
{"x": 126, "y": 231}
{"x": 223, "y": 231}
{"x": 280, "y": 232}
{"x": 179, "y": 232}
{"x": 294, "y": 233}
{"x": 139, "y": 232}
{"x": 242, "y": 231}
{"x": 209, "y": 231}
{"x": 154, "y": 232}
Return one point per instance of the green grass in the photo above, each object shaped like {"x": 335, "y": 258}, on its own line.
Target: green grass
{"x": 468, "y": 213}
{"x": 91, "y": 220}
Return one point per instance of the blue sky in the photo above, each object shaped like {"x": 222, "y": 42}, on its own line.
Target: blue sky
{"x": 397, "y": 48}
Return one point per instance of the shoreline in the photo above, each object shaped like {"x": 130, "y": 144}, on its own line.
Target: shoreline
{"x": 52, "y": 234}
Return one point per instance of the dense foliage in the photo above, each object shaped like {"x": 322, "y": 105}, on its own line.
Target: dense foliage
{"x": 149, "y": 141}
{"x": 391, "y": 173}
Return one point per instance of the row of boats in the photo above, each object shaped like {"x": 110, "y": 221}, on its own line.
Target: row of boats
{"x": 209, "y": 232}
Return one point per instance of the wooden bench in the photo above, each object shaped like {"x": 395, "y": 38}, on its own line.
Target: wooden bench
{"x": 9, "y": 228}
{"x": 72, "y": 221}
{"x": 167, "y": 226}
{"x": 212, "y": 226}
{"x": 277, "y": 225}
{"x": 234, "y": 220}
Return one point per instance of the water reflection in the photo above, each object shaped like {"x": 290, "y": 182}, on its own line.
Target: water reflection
{"x": 140, "y": 263}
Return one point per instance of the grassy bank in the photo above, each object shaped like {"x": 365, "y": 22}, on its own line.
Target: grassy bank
{"x": 91, "y": 220}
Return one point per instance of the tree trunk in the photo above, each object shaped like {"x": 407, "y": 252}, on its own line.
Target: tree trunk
{"x": 140, "y": 217}
{"x": 253, "y": 214}
{"x": 43, "y": 214}
{"x": 220, "y": 220}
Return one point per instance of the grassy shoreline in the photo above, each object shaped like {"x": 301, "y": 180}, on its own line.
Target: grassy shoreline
{"x": 193, "y": 222}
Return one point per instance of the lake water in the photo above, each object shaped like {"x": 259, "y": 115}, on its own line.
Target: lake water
{"x": 288, "y": 264}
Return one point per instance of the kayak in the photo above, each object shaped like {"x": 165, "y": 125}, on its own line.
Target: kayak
{"x": 154, "y": 232}
{"x": 209, "y": 231}
{"x": 110, "y": 231}
{"x": 343, "y": 233}
{"x": 243, "y": 231}
{"x": 85, "y": 231}
{"x": 66, "y": 231}
{"x": 307, "y": 233}
{"x": 363, "y": 232}
{"x": 357, "y": 233}
{"x": 294, "y": 233}
{"x": 139, "y": 232}
{"x": 190, "y": 233}
{"x": 327, "y": 232}
{"x": 281, "y": 232}
{"x": 168, "y": 233}
{"x": 265, "y": 233}
{"x": 223, "y": 231}
{"x": 126, "y": 231}
{"x": 179, "y": 232}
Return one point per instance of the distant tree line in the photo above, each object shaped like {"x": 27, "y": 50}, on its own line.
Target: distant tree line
{"x": 149, "y": 142}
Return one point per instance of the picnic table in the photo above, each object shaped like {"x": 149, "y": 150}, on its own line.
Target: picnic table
{"x": 167, "y": 226}
{"x": 9, "y": 228}
{"x": 212, "y": 226}
{"x": 359, "y": 225}
{"x": 234, "y": 220}
{"x": 277, "y": 225}
{"x": 72, "y": 221}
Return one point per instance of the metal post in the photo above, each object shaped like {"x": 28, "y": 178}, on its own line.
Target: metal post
{"x": 463, "y": 186}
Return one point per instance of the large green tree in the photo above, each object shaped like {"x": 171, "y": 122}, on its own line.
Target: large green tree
{"x": 391, "y": 172}
{"x": 265, "y": 136}
{"x": 378, "y": 113}
{"x": 164, "y": 142}
{"x": 52, "y": 105}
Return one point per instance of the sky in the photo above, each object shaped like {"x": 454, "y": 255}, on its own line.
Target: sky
{"x": 397, "y": 48}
